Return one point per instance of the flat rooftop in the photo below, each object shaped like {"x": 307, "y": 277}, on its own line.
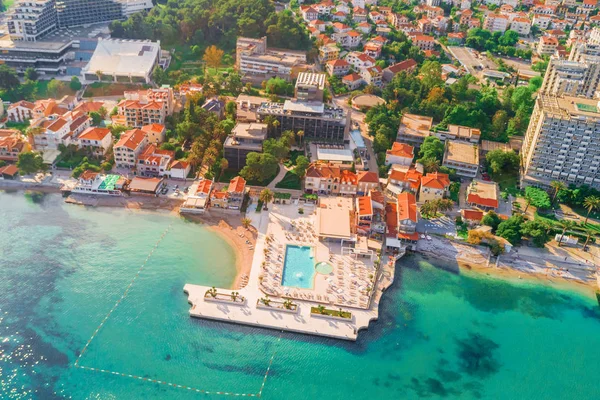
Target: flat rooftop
{"x": 124, "y": 57}
{"x": 339, "y": 155}
{"x": 252, "y": 131}
{"x": 415, "y": 125}
{"x": 57, "y": 39}
{"x": 567, "y": 106}
{"x": 333, "y": 217}
{"x": 461, "y": 152}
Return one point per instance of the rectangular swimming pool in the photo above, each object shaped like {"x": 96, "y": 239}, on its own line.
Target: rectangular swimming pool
{"x": 298, "y": 267}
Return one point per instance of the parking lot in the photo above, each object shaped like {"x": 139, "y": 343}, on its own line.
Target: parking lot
{"x": 468, "y": 59}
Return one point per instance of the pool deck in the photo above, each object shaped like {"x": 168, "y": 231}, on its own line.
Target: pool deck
{"x": 300, "y": 322}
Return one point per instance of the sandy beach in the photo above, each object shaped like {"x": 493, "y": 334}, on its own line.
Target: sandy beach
{"x": 230, "y": 228}
{"x": 465, "y": 258}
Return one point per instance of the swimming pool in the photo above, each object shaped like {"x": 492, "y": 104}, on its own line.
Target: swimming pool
{"x": 299, "y": 267}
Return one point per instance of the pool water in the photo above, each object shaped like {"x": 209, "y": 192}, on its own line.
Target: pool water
{"x": 324, "y": 268}
{"x": 299, "y": 267}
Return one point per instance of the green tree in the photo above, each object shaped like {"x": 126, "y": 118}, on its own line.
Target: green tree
{"x": 505, "y": 162}
{"x": 511, "y": 229}
{"x": 55, "y": 87}
{"x": 591, "y": 203}
{"x": 537, "y": 197}
{"x": 31, "y": 74}
{"x": 279, "y": 87}
{"x": 75, "y": 84}
{"x": 159, "y": 76}
{"x": 8, "y": 78}
{"x": 259, "y": 167}
{"x": 302, "y": 164}
{"x": 431, "y": 149}
{"x": 537, "y": 231}
{"x": 30, "y": 162}
{"x": 278, "y": 148}
{"x": 96, "y": 118}
{"x": 566, "y": 225}
{"x": 491, "y": 219}
{"x": 266, "y": 196}
{"x": 557, "y": 186}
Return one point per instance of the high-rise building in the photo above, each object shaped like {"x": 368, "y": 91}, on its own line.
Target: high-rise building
{"x": 577, "y": 76}
{"x": 31, "y": 19}
{"x": 83, "y": 12}
{"x": 562, "y": 142}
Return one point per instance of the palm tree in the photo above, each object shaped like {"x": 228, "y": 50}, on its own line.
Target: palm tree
{"x": 444, "y": 204}
{"x": 234, "y": 296}
{"x": 287, "y": 304}
{"x": 431, "y": 165}
{"x": 246, "y": 222}
{"x": 591, "y": 203}
{"x": 212, "y": 291}
{"x": 321, "y": 309}
{"x": 224, "y": 164}
{"x": 566, "y": 225}
{"x": 557, "y": 186}
{"x": 300, "y": 135}
{"x": 427, "y": 208}
{"x": 589, "y": 233}
{"x": 266, "y": 196}
{"x": 99, "y": 74}
{"x": 265, "y": 300}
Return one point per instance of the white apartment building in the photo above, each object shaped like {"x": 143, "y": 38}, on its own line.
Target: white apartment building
{"x": 254, "y": 58}
{"x": 129, "y": 147}
{"x": 577, "y": 76}
{"x": 496, "y": 23}
{"x": 521, "y": 25}
{"x": 562, "y": 142}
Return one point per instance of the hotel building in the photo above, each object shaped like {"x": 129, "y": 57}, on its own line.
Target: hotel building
{"x": 562, "y": 142}
{"x": 320, "y": 122}
{"x": 255, "y": 59}
{"x": 245, "y": 138}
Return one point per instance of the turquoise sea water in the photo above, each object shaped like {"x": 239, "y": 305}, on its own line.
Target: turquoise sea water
{"x": 440, "y": 335}
{"x": 298, "y": 267}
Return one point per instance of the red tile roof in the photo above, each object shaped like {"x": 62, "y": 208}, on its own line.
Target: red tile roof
{"x": 474, "y": 198}
{"x": 407, "y": 207}
{"x": 204, "y": 187}
{"x": 368, "y": 176}
{"x": 436, "y": 180}
{"x": 472, "y": 215}
{"x": 95, "y": 133}
{"x": 131, "y": 139}
{"x": 10, "y": 170}
{"x": 401, "y": 150}
{"x": 365, "y": 207}
{"x": 237, "y": 185}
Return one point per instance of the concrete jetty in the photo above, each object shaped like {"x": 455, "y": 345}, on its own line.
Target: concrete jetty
{"x": 302, "y": 321}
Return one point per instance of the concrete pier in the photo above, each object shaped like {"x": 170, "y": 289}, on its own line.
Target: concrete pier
{"x": 300, "y": 322}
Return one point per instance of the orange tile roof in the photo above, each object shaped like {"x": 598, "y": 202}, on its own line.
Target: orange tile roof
{"x": 353, "y": 77}
{"x": 365, "y": 207}
{"x": 348, "y": 177}
{"x": 157, "y": 128}
{"x": 236, "y": 185}
{"x": 391, "y": 217}
{"x": 408, "y": 236}
{"x": 131, "y": 139}
{"x": 481, "y": 201}
{"x": 401, "y": 150}
{"x": 204, "y": 187}
{"x": 88, "y": 175}
{"x": 377, "y": 196}
{"x": 407, "y": 207}
{"x": 436, "y": 180}
{"x": 179, "y": 164}
{"x": 56, "y": 125}
{"x": 89, "y": 106}
{"x": 95, "y": 133}
{"x": 10, "y": 169}
{"x": 472, "y": 215}
{"x": 368, "y": 176}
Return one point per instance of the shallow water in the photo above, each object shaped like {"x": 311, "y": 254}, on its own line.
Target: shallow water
{"x": 440, "y": 335}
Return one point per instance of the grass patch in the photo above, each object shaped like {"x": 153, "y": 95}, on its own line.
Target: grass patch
{"x": 332, "y": 313}
{"x": 98, "y": 89}
{"x": 290, "y": 181}
{"x": 294, "y": 154}
{"x": 229, "y": 174}
{"x": 507, "y": 182}
{"x": 41, "y": 90}
{"x": 21, "y": 126}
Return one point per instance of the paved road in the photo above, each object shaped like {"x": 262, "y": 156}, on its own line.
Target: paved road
{"x": 358, "y": 118}
{"x": 282, "y": 171}
{"x": 442, "y": 226}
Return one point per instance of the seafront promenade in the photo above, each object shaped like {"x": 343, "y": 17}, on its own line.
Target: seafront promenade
{"x": 252, "y": 312}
